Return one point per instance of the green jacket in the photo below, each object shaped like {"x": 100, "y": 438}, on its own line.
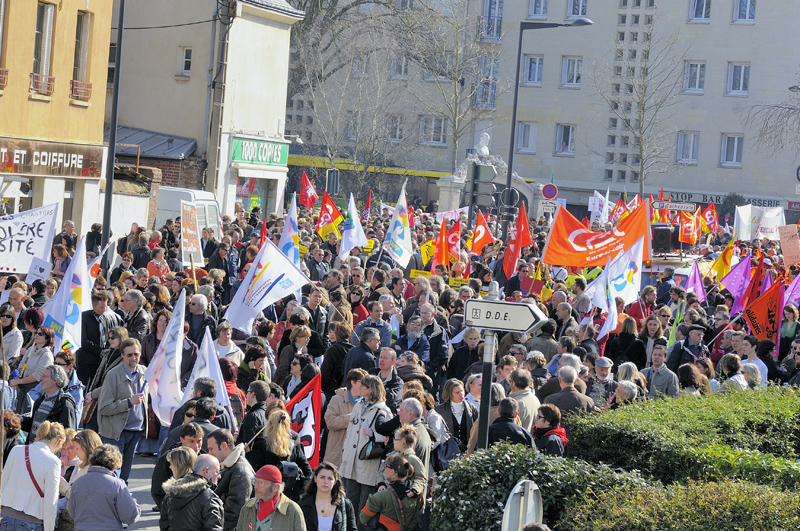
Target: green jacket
{"x": 112, "y": 404}
{"x": 385, "y": 504}
{"x": 287, "y": 516}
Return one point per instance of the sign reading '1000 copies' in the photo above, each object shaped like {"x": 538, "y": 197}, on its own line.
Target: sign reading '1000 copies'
{"x": 26, "y": 235}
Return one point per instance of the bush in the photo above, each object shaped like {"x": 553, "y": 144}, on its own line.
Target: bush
{"x": 725, "y": 506}
{"x": 472, "y": 493}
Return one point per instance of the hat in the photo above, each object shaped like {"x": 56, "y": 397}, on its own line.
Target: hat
{"x": 603, "y": 362}
{"x": 270, "y": 473}
{"x": 697, "y": 328}
{"x": 254, "y": 234}
{"x": 660, "y": 342}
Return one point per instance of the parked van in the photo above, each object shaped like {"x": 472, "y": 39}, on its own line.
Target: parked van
{"x": 169, "y": 207}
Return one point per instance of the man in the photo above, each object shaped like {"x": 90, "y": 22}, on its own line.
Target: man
{"x": 665, "y": 286}
{"x": 437, "y": 338}
{"x": 374, "y": 320}
{"x": 207, "y": 243}
{"x": 38, "y": 293}
{"x": 414, "y": 340}
{"x": 137, "y": 320}
{"x": 505, "y": 367}
{"x": 505, "y": 429}
{"x": 333, "y": 282}
{"x": 236, "y": 475}
{"x": 317, "y": 266}
{"x": 661, "y": 381}
{"x": 397, "y": 288}
{"x": 565, "y": 345}
{"x": 270, "y": 509}
{"x": 564, "y": 316}
{"x": 169, "y": 238}
{"x": 54, "y": 404}
{"x": 750, "y": 344}
{"x": 515, "y": 282}
{"x": 66, "y": 360}
{"x": 259, "y": 395}
{"x": 582, "y": 303}
{"x": 548, "y": 434}
{"x": 544, "y": 342}
{"x": 521, "y": 392}
{"x": 199, "y": 320}
{"x": 388, "y": 375}
{"x": 122, "y": 407}
{"x": 191, "y": 436}
{"x": 644, "y": 306}
{"x": 689, "y": 349}
{"x": 362, "y": 356}
{"x": 69, "y": 232}
{"x": 410, "y": 412}
{"x": 205, "y": 387}
{"x": 586, "y": 334}
{"x": 319, "y": 316}
{"x": 569, "y": 400}
{"x": 331, "y": 244}
{"x": 205, "y": 411}
{"x": 552, "y": 386}
{"x": 626, "y": 393}
{"x": 191, "y": 502}
{"x": 602, "y": 385}
{"x": 377, "y": 286}
{"x": 95, "y": 326}
{"x": 16, "y": 298}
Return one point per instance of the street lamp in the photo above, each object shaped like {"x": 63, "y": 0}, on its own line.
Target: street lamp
{"x": 523, "y": 26}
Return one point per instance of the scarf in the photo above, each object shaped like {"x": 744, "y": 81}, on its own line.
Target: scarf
{"x": 541, "y": 433}
{"x": 353, "y": 400}
{"x": 266, "y": 508}
{"x": 458, "y": 410}
{"x": 7, "y": 329}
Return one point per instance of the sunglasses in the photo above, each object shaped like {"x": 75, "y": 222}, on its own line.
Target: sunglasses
{"x": 40, "y": 333}
{"x": 61, "y": 364}
{"x": 295, "y": 363}
{"x": 7, "y": 316}
{"x": 189, "y": 415}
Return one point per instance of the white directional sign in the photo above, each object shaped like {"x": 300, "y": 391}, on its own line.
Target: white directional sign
{"x": 502, "y": 315}
{"x": 549, "y": 206}
{"x": 662, "y": 205}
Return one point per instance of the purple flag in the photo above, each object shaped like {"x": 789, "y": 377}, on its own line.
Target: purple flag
{"x": 767, "y": 282}
{"x": 737, "y": 280}
{"x": 695, "y": 283}
{"x": 792, "y": 295}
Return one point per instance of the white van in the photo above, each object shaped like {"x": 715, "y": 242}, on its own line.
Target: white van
{"x": 169, "y": 206}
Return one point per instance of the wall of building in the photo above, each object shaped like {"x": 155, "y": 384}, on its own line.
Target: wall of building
{"x": 186, "y": 173}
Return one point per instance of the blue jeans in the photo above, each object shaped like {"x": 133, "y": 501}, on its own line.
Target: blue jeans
{"x": 127, "y": 442}
{"x": 12, "y": 524}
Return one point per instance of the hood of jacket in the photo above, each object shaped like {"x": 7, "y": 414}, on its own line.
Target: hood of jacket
{"x": 185, "y": 489}
{"x": 237, "y": 453}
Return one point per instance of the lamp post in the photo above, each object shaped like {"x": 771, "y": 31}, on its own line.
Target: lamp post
{"x": 524, "y": 26}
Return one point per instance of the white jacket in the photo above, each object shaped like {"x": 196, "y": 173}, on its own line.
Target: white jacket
{"x": 18, "y": 491}
{"x": 364, "y": 414}
{"x": 12, "y": 344}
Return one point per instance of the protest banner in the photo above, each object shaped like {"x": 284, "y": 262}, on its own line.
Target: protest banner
{"x": 305, "y": 410}
{"x": 753, "y": 222}
{"x": 457, "y": 282}
{"x": 369, "y": 247}
{"x": 414, "y": 273}
{"x": 426, "y": 251}
{"x": 26, "y": 235}
{"x": 789, "y": 244}
{"x": 190, "y": 236}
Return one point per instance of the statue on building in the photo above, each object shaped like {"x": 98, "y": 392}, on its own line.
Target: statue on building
{"x": 482, "y": 148}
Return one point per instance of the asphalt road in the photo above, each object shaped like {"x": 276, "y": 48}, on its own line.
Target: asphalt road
{"x": 139, "y": 485}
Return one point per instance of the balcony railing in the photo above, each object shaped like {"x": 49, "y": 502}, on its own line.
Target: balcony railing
{"x": 491, "y": 29}
{"x": 3, "y": 77}
{"x": 80, "y": 90}
{"x": 485, "y": 96}
{"x": 42, "y": 84}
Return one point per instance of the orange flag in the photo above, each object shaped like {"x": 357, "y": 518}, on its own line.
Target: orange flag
{"x": 688, "y": 232}
{"x": 764, "y": 314}
{"x": 454, "y": 241}
{"x": 329, "y": 217}
{"x": 519, "y": 239}
{"x": 482, "y": 237}
{"x": 617, "y": 212}
{"x": 440, "y": 248}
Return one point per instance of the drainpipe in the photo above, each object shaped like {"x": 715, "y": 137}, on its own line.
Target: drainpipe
{"x": 209, "y": 78}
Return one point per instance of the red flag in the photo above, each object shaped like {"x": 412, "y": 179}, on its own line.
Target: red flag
{"x": 329, "y": 216}
{"x": 619, "y": 209}
{"x": 586, "y": 222}
{"x": 308, "y": 196}
{"x": 481, "y": 237}
{"x": 263, "y": 233}
{"x": 367, "y": 208}
{"x": 454, "y": 240}
{"x": 305, "y": 412}
{"x": 519, "y": 239}
{"x": 710, "y": 217}
{"x": 410, "y": 210}
{"x": 764, "y": 314}
{"x": 440, "y": 248}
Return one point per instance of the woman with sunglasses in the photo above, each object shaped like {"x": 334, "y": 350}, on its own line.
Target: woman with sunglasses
{"x": 126, "y": 265}
{"x": 109, "y": 358}
{"x": 324, "y": 505}
{"x": 12, "y": 336}
{"x": 405, "y": 439}
{"x": 32, "y": 365}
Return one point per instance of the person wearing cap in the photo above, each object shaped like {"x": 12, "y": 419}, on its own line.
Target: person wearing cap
{"x": 689, "y": 349}
{"x": 544, "y": 342}
{"x": 602, "y": 385}
{"x": 661, "y": 381}
{"x": 270, "y": 509}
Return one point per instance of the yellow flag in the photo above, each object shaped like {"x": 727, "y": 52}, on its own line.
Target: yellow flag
{"x": 722, "y": 265}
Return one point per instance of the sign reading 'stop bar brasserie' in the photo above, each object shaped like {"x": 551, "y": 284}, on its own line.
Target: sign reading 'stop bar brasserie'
{"x": 34, "y": 157}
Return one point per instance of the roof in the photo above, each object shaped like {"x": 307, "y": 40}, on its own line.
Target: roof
{"x": 152, "y": 143}
{"x": 281, "y": 6}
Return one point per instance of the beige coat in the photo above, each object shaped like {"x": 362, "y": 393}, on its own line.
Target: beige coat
{"x": 112, "y": 404}
{"x": 337, "y": 418}
{"x": 364, "y": 472}
{"x": 528, "y": 406}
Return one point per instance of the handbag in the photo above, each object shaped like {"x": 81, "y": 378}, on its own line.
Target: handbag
{"x": 88, "y": 410}
{"x": 445, "y": 453}
{"x": 372, "y": 449}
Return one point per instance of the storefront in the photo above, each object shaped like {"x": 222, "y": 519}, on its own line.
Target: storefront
{"x": 257, "y": 174}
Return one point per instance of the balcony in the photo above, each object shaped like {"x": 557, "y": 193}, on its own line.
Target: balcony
{"x": 3, "y": 78}
{"x": 42, "y": 84}
{"x": 485, "y": 95}
{"x": 80, "y": 90}
{"x": 491, "y": 29}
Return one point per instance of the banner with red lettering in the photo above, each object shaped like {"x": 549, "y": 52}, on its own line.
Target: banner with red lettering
{"x": 305, "y": 412}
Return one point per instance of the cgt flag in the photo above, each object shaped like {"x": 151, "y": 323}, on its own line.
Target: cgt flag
{"x": 482, "y": 236}
{"x": 329, "y": 217}
{"x": 305, "y": 411}
{"x": 764, "y": 314}
{"x": 308, "y": 196}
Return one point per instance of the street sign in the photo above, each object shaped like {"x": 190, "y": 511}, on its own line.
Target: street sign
{"x": 549, "y": 191}
{"x": 549, "y": 206}
{"x": 483, "y": 193}
{"x": 502, "y": 315}
{"x": 662, "y": 205}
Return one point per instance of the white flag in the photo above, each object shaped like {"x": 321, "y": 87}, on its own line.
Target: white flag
{"x": 353, "y": 233}
{"x": 611, "y": 319}
{"x": 604, "y": 213}
{"x": 289, "y": 243}
{"x": 72, "y": 297}
{"x": 398, "y": 238}
{"x": 207, "y": 365}
{"x": 625, "y": 273}
{"x": 272, "y": 276}
{"x": 163, "y": 374}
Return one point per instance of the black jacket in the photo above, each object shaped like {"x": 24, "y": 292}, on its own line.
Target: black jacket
{"x": 469, "y": 417}
{"x": 359, "y": 357}
{"x": 138, "y": 324}
{"x": 63, "y": 412}
{"x": 210, "y": 247}
{"x": 175, "y": 434}
{"x": 254, "y": 419}
{"x": 190, "y": 505}
{"x": 260, "y": 456}
{"x": 141, "y": 256}
{"x": 505, "y": 428}
{"x": 460, "y": 361}
{"x": 161, "y": 473}
{"x": 197, "y": 333}
{"x": 332, "y": 369}
{"x": 393, "y": 387}
{"x": 117, "y": 272}
{"x": 624, "y": 348}
{"x": 340, "y": 517}
{"x": 235, "y": 486}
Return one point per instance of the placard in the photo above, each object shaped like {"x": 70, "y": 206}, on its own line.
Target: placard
{"x": 368, "y": 248}
{"x": 414, "y": 273}
{"x": 457, "y": 282}
{"x": 190, "y": 236}
{"x": 790, "y": 247}
{"x": 26, "y": 235}
{"x": 426, "y": 250}
{"x": 40, "y": 270}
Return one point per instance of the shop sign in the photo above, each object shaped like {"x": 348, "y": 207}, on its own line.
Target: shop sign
{"x": 57, "y": 159}
{"x": 259, "y": 152}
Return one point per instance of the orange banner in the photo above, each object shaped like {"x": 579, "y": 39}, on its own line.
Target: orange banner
{"x": 764, "y": 314}
{"x": 572, "y": 244}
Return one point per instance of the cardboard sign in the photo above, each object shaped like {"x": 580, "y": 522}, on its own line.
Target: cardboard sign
{"x": 458, "y": 282}
{"x": 26, "y": 236}
{"x": 190, "y": 235}
{"x": 414, "y": 273}
{"x": 368, "y": 248}
{"x": 40, "y": 269}
{"x": 303, "y": 251}
{"x": 789, "y": 244}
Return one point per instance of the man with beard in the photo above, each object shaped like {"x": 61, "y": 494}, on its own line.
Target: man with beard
{"x": 414, "y": 340}
{"x": 602, "y": 385}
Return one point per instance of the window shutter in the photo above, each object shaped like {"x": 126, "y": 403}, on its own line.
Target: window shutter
{"x": 48, "y": 39}
{"x": 87, "y": 23}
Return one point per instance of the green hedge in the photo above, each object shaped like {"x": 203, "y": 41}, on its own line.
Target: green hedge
{"x": 724, "y": 506}
{"x": 749, "y": 435}
{"x": 471, "y": 494}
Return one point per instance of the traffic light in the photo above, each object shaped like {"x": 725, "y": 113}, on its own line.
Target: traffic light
{"x": 479, "y": 187}
{"x": 509, "y": 214}
{"x": 332, "y": 181}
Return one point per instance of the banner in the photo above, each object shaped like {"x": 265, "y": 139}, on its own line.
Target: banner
{"x": 572, "y": 244}
{"x": 25, "y": 235}
{"x": 72, "y": 297}
{"x": 398, "y": 238}
{"x": 789, "y": 244}
{"x": 289, "y": 243}
{"x": 482, "y": 236}
{"x": 624, "y": 274}
{"x": 163, "y": 372}
{"x": 451, "y": 214}
{"x": 753, "y": 222}
{"x": 305, "y": 411}
{"x": 191, "y": 252}
{"x": 764, "y": 314}
{"x": 694, "y": 283}
{"x": 352, "y": 233}
{"x": 207, "y": 366}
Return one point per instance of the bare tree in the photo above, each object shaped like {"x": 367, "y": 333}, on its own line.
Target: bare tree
{"x": 777, "y": 125}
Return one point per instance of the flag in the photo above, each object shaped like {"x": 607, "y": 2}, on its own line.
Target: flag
{"x": 634, "y": 203}
{"x": 710, "y": 218}
{"x": 623, "y": 275}
{"x": 610, "y": 306}
{"x": 793, "y": 292}
{"x": 653, "y": 212}
{"x": 722, "y": 265}
{"x": 264, "y": 233}
{"x": 440, "y": 249}
{"x": 410, "y": 215}
{"x": 688, "y": 234}
{"x": 398, "y": 238}
{"x": 365, "y": 214}
{"x": 764, "y": 313}
{"x": 553, "y": 176}
{"x": 72, "y": 297}
{"x": 586, "y": 223}
{"x": 308, "y": 196}
{"x": 289, "y": 243}
{"x": 454, "y": 241}
{"x": 163, "y": 372}
{"x": 619, "y": 209}
{"x": 604, "y": 212}
{"x": 678, "y": 318}
{"x": 694, "y": 283}
{"x": 305, "y": 411}
{"x": 207, "y": 365}
{"x": 767, "y": 282}
{"x": 753, "y": 288}
{"x": 94, "y": 266}
{"x": 481, "y": 237}
{"x": 272, "y": 276}
{"x": 737, "y": 278}
{"x": 519, "y": 239}
{"x": 353, "y": 233}
{"x": 329, "y": 217}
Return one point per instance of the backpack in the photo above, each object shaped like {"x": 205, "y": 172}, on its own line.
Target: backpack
{"x": 122, "y": 245}
{"x": 238, "y": 407}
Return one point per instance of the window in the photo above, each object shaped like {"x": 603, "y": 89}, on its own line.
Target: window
{"x": 353, "y": 125}
{"x": 533, "y": 70}
{"x": 629, "y": 88}
{"x": 112, "y": 63}
{"x": 688, "y": 144}
{"x": 611, "y": 140}
{"x": 577, "y": 8}
{"x": 609, "y": 175}
{"x": 732, "y": 151}
{"x": 631, "y": 71}
{"x": 632, "y": 55}
{"x": 398, "y": 67}
{"x": 738, "y": 79}
{"x": 701, "y": 10}
{"x": 637, "y": 3}
{"x": 651, "y": 3}
{"x": 634, "y": 20}
{"x": 621, "y": 175}
{"x": 432, "y": 131}
{"x": 610, "y": 157}
{"x": 745, "y": 11}
{"x": 612, "y": 123}
{"x": 634, "y": 160}
{"x": 526, "y": 136}
{"x": 360, "y": 65}
{"x": 44, "y": 39}
{"x": 486, "y": 91}
{"x": 694, "y": 77}
{"x": 290, "y": 105}
{"x": 300, "y": 105}
{"x": 394, "y": 126}
{"x": 571, "y": 72}
{"x": 634, "y": 37}
{"x": 440, "y": 67}
{"x": 627, "y": 106}
{"x": 622, "y": 20}
{"x": 623, "y": 141}
{"x": 619, "y": 54}
{"x": 492, "y": 23}
{"x": 648, "y": 20}
{"x": 565, "y": 140}
{"x": 634, "y": 176}
{"x": 615, "y": 87}
{"x": 623, "y": 158}
{"x": 620, "y": 36}
{"x": 309, "y": 120}
{"x": 623, "y": 3}
{"x": 185, "y": 62}
{"x": 538, "y": 9}
{"x": 617, "y": 71}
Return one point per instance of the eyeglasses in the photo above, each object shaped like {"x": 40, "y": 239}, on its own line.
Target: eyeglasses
{"x": 61, "y": 364}
{"x": 6, "y": 316}
{"x": 189, "y": 415}
{"x": 295, "y": 363}
{"x": 40, "y": 333}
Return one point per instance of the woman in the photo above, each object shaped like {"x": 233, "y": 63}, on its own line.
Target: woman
{"x": 651, "y": 331}
{"x": 30, "y": 481}
{"x": 253, "y": 367}
{"x": 12, "y": 336}
{"x": 752, "y": 374}
{"x": 630, "y": 372}
{"x": 298, "y": 344}
{"x": 157, "y": 266}
{"x": 125, "y": 266}
{"x": 464, "y": 357}
{"x": 12, "y": 427}
{"x": 282, "y": 325}
{"x": 392, "y": 507}
{"x": 162, "y": 300}
{"x": 458, "y": 414}
{"x": 32, "y": 319}
{"x": 706, "y": 368}
{"x": 32, "y": 366}
{"x": 627, "y": 347}
{"x": 362, "y": 433}
{"x": 474, "y": 383}
{"x": 664, "y": 316}
{"x": 110, "y": 358}
{"x": 333, "y": 362}
{"x": 410, "y": 367}
{"x": 181, "y": 460}
{"x": 99, "y": 499}
{"x": 338, "y": 414}
{"x": 355, "y": 294}
{"x": 485, "y": 276}
{"x": 225, "y": 347}
{"x": 293, "y": 382}
{"x": 324, "y": 505}
{"x": 230, "y": 373}
{"x": 341, "y": 308}
{"x": 151, "y": 341}
{"x": 788, "y": 330}
{"x": 61, "y": 260}
{"x": 689, "y": 380}
{"x": 732, "y": 367}
{"x": 83, "y": 443}
{"x": 129, "y": 280}
{"x": 405, "y": 439}
{"x": 275, "y": 446}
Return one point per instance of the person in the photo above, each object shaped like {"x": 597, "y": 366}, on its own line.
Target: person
{"x": 125, "y": 266}
{"x": 253, "y": 368}
{"x": 375, "y": 321}
{"x": 226, "y": 348}
{"x": 788, "y": 329}
{"x": 749, "y": 349}
{"x": 236, "y": 478}
{"x": 651, "y": 330}
{"x": 338, "y": 413}
{"x": 95, "y": 327}
{"x": 458, "y": 415}
{"x": 706, "y": 368}
{"x": 32, "y": 365}
{"x": 110, "y": 358}
{"x": 752, "y": 375}
{"x": 732, "y": 368}
{"x": 324, "y": 504}
{"x": 496, "y": 395}
{"x": 665, "y": 285}
{"x": 569, "y": 400}
{"x": 294, "y": 381}
{"x": 12, "y": 427}
{"x": 505, "y": 429}
{"x": 549, "y": 436}
{"x": 362, "y": 355}
{"x": 190, "y": 503}
{"x": 392, "y": 507}
{"x": 661, "y": 381}
{"x": 544, "y": 342}
{"x": 30, "y": 482}
{"x": 410, "y": 368}
{"x": 259, "y": 394}
{"x": 414, "y": 340}
{"x": 689, "y": 380}
{"x": 522, "y": 392}
{"x": 405, "y": 439}
{"x": 205, "y": 410}
{"x": 332, "y": 368}
{"x": 61, "y": 260}
{"x": 157, "y": 266}
{"x": 602, "y": 385}
{"x": 176, "y": 464}
{"x": 100, "y": 500}
{"x": 392, "y": 383}
{"x": 54, "y": 404}
{"x": 121, "y": 406}
{"x": 465, "y": 356}
{"x": 627, "y": 347}
{"x": 83, "y": 443}
{"x": 12, "y": 336}
{"x": 688, "y": 349}
{"x": 199, "y": 320}
{"x": 473, "y": 384}
{"x": 270, "y": 509}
